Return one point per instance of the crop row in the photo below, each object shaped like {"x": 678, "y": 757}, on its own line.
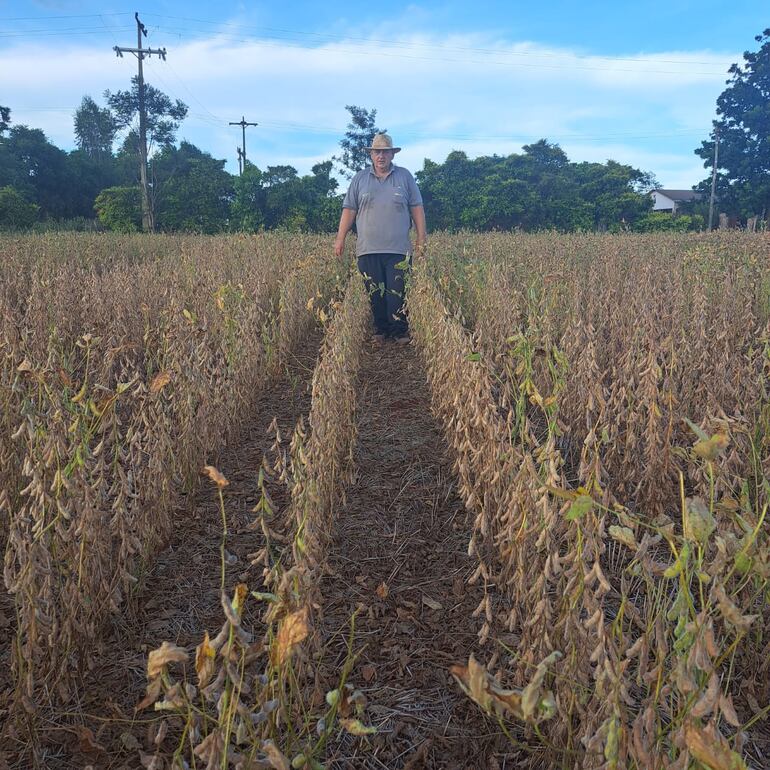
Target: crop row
{"x": 119, "y": 380}
{"x": 256, "y": 692}
{"x": 623, "y": 548}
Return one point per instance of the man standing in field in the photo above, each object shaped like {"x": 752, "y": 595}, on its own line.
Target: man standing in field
{"x": 383, "y": 200}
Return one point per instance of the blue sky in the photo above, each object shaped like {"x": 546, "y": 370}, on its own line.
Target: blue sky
{"x": 635, "y": 82}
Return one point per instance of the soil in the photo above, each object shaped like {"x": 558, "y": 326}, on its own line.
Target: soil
{"x": 398, "y": 560}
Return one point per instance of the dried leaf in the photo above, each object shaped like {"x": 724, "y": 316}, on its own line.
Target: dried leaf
{"x": 87, "y": 743}
{"x": 709, "y": 746}
{"x": 275, "y": 757}
{"x": 728, "y": 710}
{"x": 730, "y": 612}
{"x": 623, "y": 535}
{"x": 382, "y": 590}
{"x": 167, "y": 653}
{"x": 160, "y": 381}
{"x": 479, "y": 685}
{"x": 432, "y": 603}
{"x": 153, "y": 693}
{"x": 215, "y": 476}
{"x": 292, "y": 630}
{"x": 130, "y": 742}
{"x": 368, "y": 672}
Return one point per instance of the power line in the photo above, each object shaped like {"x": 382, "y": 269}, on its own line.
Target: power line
{"x": 284, "y": 35}
{"x": 413, "y": 44}
{"x": 64, "y": 16}
{"x": 369, "y": 52}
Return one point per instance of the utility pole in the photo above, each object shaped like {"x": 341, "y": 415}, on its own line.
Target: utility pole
{"x": 148, "y": 219}
{"x": 242, "y": 155}
{"x": 714, "y": 175}
{"x": 240, "y": 161}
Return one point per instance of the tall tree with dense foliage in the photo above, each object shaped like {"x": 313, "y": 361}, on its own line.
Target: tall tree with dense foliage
{"x": 16, "y": 213}
{"x": 95, "y": 129}
{"x": 358, "y": 136}
{"x": 37, "y": 169}
{"x": 539, "y": 189}
{"x": 163, "y": 114}
{"x": 743, "y": 126}
{"x": 193, "y": 191}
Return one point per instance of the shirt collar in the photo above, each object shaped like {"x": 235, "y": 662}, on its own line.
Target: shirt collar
{"x": 392, "y": 169}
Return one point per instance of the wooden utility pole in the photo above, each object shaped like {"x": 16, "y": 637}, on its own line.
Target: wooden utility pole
{"x": 714, "y": 175}
{"x": 240, "y": 161}
{"x": 148, "y": 219}
{"x": 242, "y": 154}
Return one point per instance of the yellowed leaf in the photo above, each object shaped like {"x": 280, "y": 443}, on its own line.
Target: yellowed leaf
{"x": 712, "y": 448}
{"x": 356, "y": 727}
{"x": 204, "y": 661}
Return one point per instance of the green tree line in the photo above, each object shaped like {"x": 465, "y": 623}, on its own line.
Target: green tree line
{"x": 539, "y": 188}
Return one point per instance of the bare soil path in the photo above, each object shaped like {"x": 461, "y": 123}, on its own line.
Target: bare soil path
{"x": 400, "y": 558}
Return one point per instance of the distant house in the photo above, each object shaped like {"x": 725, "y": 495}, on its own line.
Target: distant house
{"x": 670, "y": 200}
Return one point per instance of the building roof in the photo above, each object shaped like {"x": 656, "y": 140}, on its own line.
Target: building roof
{"x": 680, "y": 196}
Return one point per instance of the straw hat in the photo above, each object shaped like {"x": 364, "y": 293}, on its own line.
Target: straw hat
{"x": 383, "y": 142}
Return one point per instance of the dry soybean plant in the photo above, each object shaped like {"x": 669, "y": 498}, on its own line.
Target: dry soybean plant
{"x": 255, "y": 702}
{"x": 123, "y": 374}
{"x": 610, "y": 422}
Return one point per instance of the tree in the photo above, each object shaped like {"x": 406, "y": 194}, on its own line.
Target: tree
{"x": 247, "y": 210}
{"x": 163, "y": 115}
{"x": 95, "y": 129}
{"x": 16, "y": 213}
{"x": 87, "y": 176}
{"x": 192, "y": 190}
{"x": 37, "y": 170}
{"x": 360, "y": 132}
{"x": 120, "y": 209}
{"x": 5, "y": 118}
{"x": 743, "y": 125}
{"x": 537, "y": 190}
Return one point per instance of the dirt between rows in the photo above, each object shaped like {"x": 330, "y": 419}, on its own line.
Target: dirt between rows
{"x": 398, "y": 558}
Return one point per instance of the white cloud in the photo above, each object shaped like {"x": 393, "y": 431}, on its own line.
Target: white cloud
{"x": 460, "y": 92}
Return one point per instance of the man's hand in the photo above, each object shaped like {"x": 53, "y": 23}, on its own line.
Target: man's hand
{"x": 347, "y": 219}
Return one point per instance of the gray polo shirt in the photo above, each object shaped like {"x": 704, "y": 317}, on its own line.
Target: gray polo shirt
{"x": 382, "y": 210}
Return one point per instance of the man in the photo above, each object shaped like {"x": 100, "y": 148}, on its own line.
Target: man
{"x": 383, "y": 200}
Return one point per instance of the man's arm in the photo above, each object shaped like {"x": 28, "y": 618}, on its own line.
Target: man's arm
{"x": 346, "y": 223}
{"x": 418, "y": 216}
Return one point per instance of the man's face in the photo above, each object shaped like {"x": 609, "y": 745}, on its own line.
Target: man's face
{"x": 381, "y": 159}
